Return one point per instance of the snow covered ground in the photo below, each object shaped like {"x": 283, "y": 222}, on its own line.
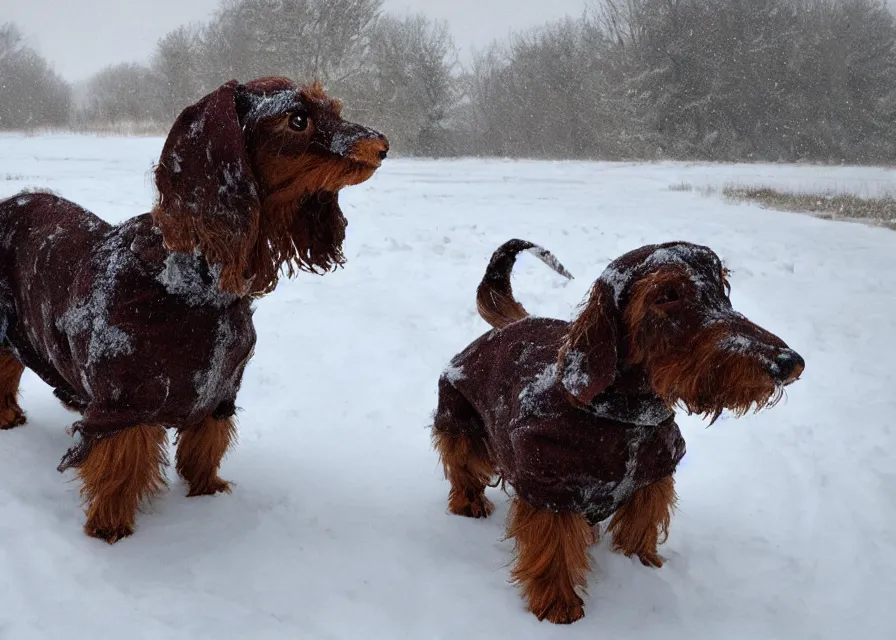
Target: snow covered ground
{"x": 337, "y": 526}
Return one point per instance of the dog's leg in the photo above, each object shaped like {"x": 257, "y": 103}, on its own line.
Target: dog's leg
{"x": 551, "y": 560}
{"x": 118, "y": 474}
{"x": 636, "y": 526}
{"x": 199, "y": 453}
{"x": 11, "y": 415}
{"x": 468, "y": 466}
{"x": 469, "y": 469}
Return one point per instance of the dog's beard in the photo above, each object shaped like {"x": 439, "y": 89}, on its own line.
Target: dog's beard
{"x": 303, "y": 235}
{"x": 709, "y": 386}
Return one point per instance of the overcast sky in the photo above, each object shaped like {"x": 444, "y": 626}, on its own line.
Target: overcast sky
{"x": 79, "y": 37}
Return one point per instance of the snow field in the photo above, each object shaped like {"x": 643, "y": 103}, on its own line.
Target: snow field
{"x": 337, "y": 526}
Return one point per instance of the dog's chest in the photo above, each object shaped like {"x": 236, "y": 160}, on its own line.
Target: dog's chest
{"x": 650, "y": 453}
{"x": 192, "y": 279}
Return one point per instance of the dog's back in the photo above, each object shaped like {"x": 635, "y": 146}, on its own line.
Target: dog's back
{"x": 42, "y": 234}
{"x": 508, "y": 363}
{"x": 34, "y": 227}
{"x": 45, "y": 241}
{"x": 82, "y": 299}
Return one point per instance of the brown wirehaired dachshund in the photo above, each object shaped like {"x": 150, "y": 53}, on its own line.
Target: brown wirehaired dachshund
{"x": 148, "y": 325}
{"x": 579, "y": 417}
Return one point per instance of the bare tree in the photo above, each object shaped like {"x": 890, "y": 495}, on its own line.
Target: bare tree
{"x": 842, "y": 75}
{"x": 413, "y": 89}
{"x": 551, "y": 92}
{"x": 31, "y": 93}
{"x": 399, "y": 72}
{"x": 326, "y": 40}
{"x": 124, "y": 93}
{"x": 177, "y": 71}
{"x": 716, "y": 79}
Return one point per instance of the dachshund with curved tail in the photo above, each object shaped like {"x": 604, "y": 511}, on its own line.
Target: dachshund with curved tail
{"x": 148, "y": 325}
{"x": 578, "y": 418}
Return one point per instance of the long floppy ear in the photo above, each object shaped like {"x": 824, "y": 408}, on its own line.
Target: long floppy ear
{"x": 319, "y": 231}
{"x": 587, "y": 362}
{"x": 208, "y": 196}
{"x": 308, "y": 240}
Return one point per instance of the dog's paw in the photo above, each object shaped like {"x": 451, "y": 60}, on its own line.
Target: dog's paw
{"x": 476, "y": 506}
{"x": 109, "y": 534}
{"x": 651, "y": 559}
{"x": 11, "y": 417}
{"x": 647, "y": 558}
{"x": 562, "y": 612}
{"x": 209, "y": 488}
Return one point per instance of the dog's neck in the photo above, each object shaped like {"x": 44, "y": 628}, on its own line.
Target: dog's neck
{"x": 630, "y": 400}
{"x": 189, "y": 275}
{"x": 302, "y": 234}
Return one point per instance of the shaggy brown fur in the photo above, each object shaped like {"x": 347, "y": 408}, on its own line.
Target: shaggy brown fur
{"x": 120, "y": 473}
{"x": 578, "y": 418}
{"x": 199, "y": 454}
{"x": 551, "y": 560}
{"x": 469, "y": 470}
{"x": 153, "y": 325}
{"x": 494, "y": 296}
{"x": 692, "y": 369}
{"x": 637, "y": 525}
{"x": 11, "y": 415}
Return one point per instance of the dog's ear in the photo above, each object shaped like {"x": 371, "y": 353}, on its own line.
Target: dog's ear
{"x": 588, "y": 359}
{"x": 310, "y": 240}
{"x": 208, "y": 196}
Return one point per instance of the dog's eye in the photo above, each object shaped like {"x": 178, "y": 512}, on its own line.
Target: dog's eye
{"x": 668, "y": 298}
{"x": 298, "y": 121}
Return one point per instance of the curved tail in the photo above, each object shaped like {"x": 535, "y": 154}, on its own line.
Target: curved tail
{"x": 494, "y": 297}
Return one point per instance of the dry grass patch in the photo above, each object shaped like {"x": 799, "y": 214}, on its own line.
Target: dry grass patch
{"x": 830, "y": 206}
{"x": 127, "y": 129}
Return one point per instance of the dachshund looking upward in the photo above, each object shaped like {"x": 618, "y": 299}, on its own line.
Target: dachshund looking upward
{"x": 148, "y": 325}
{"x": 578, "y": 418}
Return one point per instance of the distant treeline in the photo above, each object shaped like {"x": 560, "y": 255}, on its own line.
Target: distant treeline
{"x": 689, "y": 79}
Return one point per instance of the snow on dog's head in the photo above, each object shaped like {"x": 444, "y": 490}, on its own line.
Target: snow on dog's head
{"x": 249, "y": 176}
{"x": 666, "y": 310}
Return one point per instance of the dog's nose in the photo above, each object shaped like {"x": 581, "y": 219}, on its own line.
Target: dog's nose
{"x": 384, "y": 151}
{"x": 790, "y": 366}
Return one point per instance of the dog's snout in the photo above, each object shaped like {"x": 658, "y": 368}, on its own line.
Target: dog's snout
{"x": 380, "y": 146}
{"x": 370, "y": 149}
{"x": 790, "y": 365}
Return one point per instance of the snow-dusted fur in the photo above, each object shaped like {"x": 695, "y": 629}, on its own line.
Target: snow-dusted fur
{"x": 578, "y": 418}
{"x": 148, "y": 324}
